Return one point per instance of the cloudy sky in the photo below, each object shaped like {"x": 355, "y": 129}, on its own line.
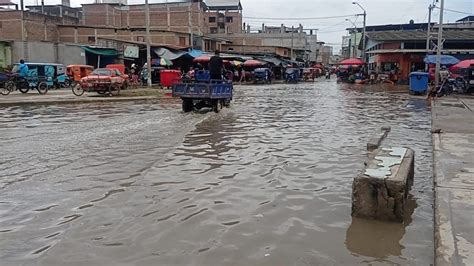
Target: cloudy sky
{"x": 331, "y": 30}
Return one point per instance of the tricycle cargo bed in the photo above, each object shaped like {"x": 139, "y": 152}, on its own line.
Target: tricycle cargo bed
{"x": 221, "y": 90}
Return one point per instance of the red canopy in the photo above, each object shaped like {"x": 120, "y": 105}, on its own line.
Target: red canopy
{"x": 352, "y": 62}
{"x": 202, "y": 59}
{"x": 462, "y": 64}
{"x": 252, "y": 63}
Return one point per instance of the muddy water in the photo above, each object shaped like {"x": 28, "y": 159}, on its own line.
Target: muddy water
{"x": 266, "y": 182}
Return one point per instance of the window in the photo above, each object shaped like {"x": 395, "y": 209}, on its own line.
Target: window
{"x": 229, "y": 19}
{"x": 182, "y": 41}
{"x": 221, "y": 25}
{"x": 212, "y": 19}
{"x": 91, "y": 39}
{"x": 140, "y": 38}
{"x": 213, "y": 30}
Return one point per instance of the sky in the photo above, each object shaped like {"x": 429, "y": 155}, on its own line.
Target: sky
{"x": 331, "y": 30}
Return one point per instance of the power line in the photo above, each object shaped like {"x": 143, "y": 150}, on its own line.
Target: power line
{"x": 456, "y": 11}
{"x": 314, "y": 18}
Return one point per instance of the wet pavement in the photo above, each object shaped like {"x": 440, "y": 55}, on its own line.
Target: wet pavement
{"x": 266, "y": 182}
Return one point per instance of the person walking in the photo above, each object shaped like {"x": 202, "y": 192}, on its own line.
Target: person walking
{"x": 216, "y": 65}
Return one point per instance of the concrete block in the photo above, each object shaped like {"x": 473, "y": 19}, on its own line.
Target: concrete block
{"x": 376, "y": 140}
{"x": 380, "y": 190}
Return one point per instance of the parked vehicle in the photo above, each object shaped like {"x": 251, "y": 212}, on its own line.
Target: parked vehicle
{"x": 53, "y": 74}
{"x": 123, "y": 71}
{"x": 204, "y": 93}
{"x": 4, "y": 76}
{"x": 24, "y": 84}
{"x": 292, "y": 75}
{"x": 470, "y": 79}
{"x": 452, "y": 85}
{"x": 102, "y": 81}
{"x": 77, "y": 72}
{"x": 309, "y": 74}
{"x": 262, "y": 75}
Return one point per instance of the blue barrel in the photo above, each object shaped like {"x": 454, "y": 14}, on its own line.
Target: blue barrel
{"x": 419, "y": 82}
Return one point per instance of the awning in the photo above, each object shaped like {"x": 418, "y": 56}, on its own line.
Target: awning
{"x": 101, "y": 51}
{"x": 273, "y": 60}
{"x": 195, "y": 53}
{"x": 167, "y": 54}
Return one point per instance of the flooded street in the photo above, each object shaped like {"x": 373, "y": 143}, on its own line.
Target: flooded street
{"x": 265, "y": 182}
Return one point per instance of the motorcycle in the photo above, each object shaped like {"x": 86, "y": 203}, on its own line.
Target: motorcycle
{"x": 452, "y": 85}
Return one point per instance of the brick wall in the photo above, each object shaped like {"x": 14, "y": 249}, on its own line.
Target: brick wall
{"x": 83, "y": 35}
{"x": 173, "y": 16}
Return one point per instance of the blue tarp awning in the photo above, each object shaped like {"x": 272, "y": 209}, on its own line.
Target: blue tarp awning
{"x": 195, "y": 53}
{"x": 445, "y": 60}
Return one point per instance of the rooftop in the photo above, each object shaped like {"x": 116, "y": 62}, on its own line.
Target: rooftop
{"x": 452, "y": 35}
{"x": 466, "y": 19}
{"x": 223, "y": 4}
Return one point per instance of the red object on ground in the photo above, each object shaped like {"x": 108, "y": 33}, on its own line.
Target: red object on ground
{"x": 252, "y": 63}
{"x": 352, "y": 61}
{"x": 170, "y": 77}
{"x": 462, "y": 64}
{"x": 202, "y": 59}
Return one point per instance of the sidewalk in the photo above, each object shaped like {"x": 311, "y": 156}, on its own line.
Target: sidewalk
{"x": 65, "y": 96}
{"x": 454, "y": 180}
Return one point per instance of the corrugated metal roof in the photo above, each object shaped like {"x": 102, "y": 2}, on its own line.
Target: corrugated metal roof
{"x": 223, "y": 3}
{"x": 419, "y": 35}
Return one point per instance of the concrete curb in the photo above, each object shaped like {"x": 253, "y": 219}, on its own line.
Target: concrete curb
{"x": 81, "y": 100}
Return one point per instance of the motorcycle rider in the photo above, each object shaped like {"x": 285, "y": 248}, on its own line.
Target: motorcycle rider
{"x": 22, "y": 69}
{"x": 444, "y": 74}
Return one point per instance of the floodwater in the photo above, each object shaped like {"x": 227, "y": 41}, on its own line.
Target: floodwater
{"x": 266, "y": 182}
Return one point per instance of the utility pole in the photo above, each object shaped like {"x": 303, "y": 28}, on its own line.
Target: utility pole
{"x": 363, "y": 38}
{"x": 292, "y": 38}
{"x": 440, "y": 44}
{"x": 428, "y": 38}
{"x": 148, "y": 43}
{"x": 190, "y": 27}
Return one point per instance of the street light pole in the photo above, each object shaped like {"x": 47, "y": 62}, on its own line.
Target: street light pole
{"x": 440, "y": 44}
{"x": 363, "y": 31}
{"x": 148, "y": 43}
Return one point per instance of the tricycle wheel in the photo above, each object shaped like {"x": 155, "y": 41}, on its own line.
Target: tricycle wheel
{"x": 101, "y": 92}
{"x": 23, "y": 88}
{"x": 42, "y": 87}
{"x": 217, "y": 106}
{"x": 187, "y": 105}
{"x": 227, "y": 103}
{"x": 67, "y": 83}
{"x": 114, "y": 89}
{"x": 77, "y": 90}
{"x": 8, "y": 87}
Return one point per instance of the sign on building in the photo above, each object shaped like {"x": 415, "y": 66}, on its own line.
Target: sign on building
{"x": 131, "y": 52}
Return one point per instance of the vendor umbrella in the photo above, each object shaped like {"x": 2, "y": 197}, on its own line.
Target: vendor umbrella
{"x": 236, "y": 63}
{"x": 462, "y": 64}
{"x": 202, "y": 59}
{"x": 253, "y": 63}
{"x": 165, "y": 62}
{"x": 352, "y": 62}
{"x": 445, "y": 60}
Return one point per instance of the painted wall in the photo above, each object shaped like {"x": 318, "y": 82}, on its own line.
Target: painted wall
{"x": 5, "y": 55}
{"x": 47, "y": 52}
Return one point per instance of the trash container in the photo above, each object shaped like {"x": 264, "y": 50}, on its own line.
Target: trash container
{"x": 419, "y": 82}
{"x": 169, "y": 77}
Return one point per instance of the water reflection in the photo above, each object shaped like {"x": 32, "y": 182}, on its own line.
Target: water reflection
{"x": 378, "y": 239}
